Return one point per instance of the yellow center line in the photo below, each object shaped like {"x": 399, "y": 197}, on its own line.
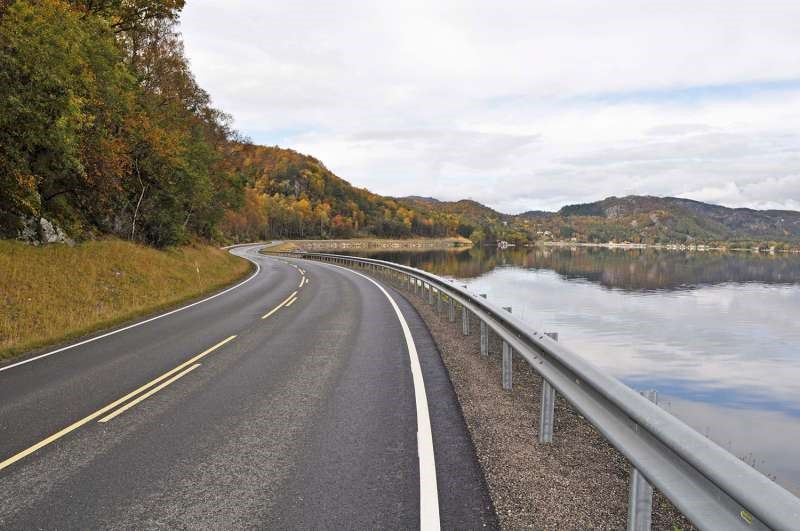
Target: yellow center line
{"x": 278, "y": 307}
{"x": 302, "y": 279}
{"x": 74, "y": 426}
{"x": 148, "y": 394}
{"x": 291, "y": 302}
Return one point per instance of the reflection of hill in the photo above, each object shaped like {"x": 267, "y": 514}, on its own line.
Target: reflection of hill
{"x": 451, "y": 263}
{"x": 653, "y": 269}
{"x": 641, "y": 269}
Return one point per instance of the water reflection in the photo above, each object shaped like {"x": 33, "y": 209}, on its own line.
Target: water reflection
{"x": 635, "y": 270}
{"x": 716, "y": 333}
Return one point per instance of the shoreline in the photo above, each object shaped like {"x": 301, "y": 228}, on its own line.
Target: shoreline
{"x": 664, "y": 247}
{"x": 378, "y": 243}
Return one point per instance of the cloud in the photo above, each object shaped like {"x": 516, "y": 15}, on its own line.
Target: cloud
{"x": 677, "y": 129}
{"x": 523, "y": 105}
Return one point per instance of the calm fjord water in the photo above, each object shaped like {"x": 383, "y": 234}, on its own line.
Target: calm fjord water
{"x": 716, "y": 334}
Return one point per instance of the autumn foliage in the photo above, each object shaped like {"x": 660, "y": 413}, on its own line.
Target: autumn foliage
{"x": 290, "y": 195}
{"x": 103, "y": 129}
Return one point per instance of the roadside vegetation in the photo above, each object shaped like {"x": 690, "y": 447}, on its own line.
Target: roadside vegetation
{"x": 53, "y": 293}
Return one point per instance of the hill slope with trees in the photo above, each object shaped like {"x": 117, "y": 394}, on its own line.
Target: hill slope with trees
{"x": 648, "y": 219}
{"x": 291, "y": 195}
{"x": 104, "y": 131}
{"x": 103, "y": 128}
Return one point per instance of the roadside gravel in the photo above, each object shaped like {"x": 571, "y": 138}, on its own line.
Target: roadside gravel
{"x": 577, "y": 482}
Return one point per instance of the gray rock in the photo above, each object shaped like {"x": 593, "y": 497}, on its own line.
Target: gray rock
{"x": 49, "y": 232}
{"x": 36, "y": 231}
{"x": 28, "y": 231}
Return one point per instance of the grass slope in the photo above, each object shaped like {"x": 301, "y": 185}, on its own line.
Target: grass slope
{"x": 53, "y": 293}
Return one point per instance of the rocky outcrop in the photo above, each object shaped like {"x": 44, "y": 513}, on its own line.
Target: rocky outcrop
{"x": 42, "y": 231}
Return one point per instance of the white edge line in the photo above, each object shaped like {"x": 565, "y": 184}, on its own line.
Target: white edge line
{"x": 428, "y": 490}
{"x": 140, "y": 323}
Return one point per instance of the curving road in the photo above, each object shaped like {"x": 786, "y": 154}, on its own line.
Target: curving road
{"x": 291, "y": 401}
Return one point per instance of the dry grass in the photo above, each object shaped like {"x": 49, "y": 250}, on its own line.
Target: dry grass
{"x": 283, "y": 247}
{"x": 52, "y": 293}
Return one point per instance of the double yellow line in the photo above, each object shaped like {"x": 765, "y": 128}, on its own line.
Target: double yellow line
{"x": 286, "y": 302}
{"x": 181, "y": 369}
{"x": 151, "y": 387}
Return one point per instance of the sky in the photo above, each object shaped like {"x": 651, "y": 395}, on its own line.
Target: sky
{"x": 521, "y": 105}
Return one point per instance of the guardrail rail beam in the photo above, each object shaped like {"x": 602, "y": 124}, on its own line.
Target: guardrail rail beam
{"x": 713, "y": 488}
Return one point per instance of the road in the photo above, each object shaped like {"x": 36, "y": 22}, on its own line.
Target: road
{"x": 290, "y": 401}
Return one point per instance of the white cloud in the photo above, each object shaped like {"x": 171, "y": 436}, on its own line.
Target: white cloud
{"x": 518, "y": 104}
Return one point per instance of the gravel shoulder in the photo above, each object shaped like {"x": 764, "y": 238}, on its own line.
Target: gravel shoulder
{"x": 578, "y": 482}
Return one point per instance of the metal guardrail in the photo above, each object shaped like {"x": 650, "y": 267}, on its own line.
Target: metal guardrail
{"x": 710, "y": 486}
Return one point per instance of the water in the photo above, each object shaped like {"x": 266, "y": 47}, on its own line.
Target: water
{"x": 716, "y": 334}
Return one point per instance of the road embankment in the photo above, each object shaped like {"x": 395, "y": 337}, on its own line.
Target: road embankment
{"x": 380, "y": 244}
{"x": 578, "y": 482}
{"x": 54, "y": 293}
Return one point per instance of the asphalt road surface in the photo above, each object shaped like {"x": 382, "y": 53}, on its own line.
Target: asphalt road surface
{"x": 307, "y": 397}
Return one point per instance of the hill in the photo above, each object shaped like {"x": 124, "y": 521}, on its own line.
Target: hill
{"x": 488, "y": 224}
{"x": 105, "y": 131}
{"x": 634, "y": 219}
{"x": 671, "y": 219}
{"x": 290, "y": 195}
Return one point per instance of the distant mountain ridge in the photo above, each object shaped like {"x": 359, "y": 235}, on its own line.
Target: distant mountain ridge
{"x": 718, "y": 222}
{"x": 638, "y": 219}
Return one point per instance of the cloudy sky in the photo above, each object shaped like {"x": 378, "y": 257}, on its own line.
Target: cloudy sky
{"x": 518, "y": 104}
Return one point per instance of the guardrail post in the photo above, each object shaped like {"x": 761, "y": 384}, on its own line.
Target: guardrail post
{"x": 439, "y": 302}
{"x": 484, "y": 335}
{"x": 430, "y": 294}
{"x": 547, "y": 413}
{"x": 508, "y": 362}
{"x": 640, "y": 493}
{"x": 464, "y": 320}
{"x": 451, "y": 309}
{"x": 484, "y": 338}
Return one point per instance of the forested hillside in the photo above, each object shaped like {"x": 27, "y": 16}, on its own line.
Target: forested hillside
{"x": 103, "y": 129}
{"x": 649, "y": 219}
{"x": 290, "y": 195}
{"x": 633, "y": 219}
{"x": 486, "y": 223}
